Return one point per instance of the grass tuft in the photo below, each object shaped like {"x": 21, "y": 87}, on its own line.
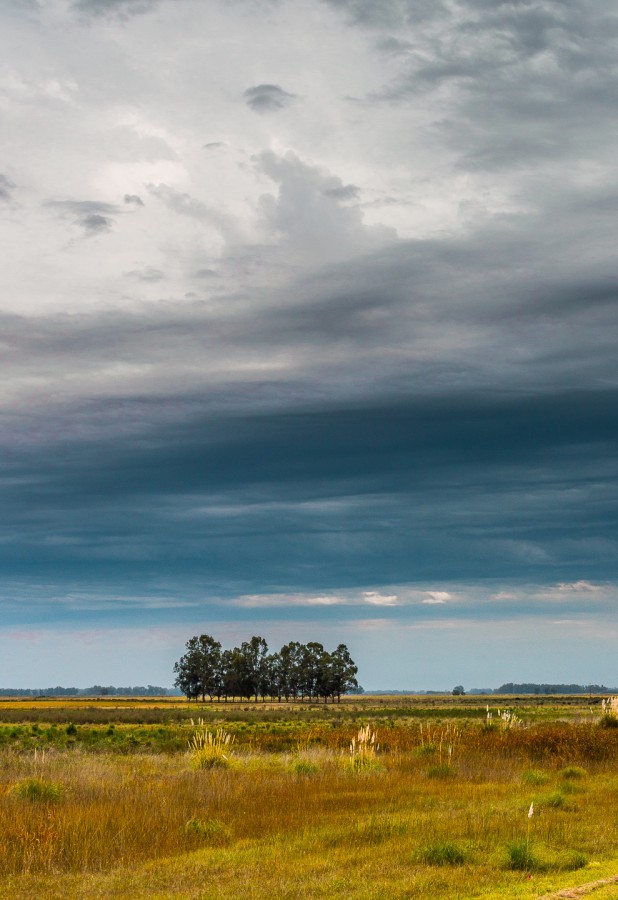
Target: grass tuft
{"x": 210, "y": 750}
{"x": 363, "y": 751}
{"x": 38, "y": 790}
{"x": 443, "y": 853}
{"x": 521, "y": 858}
{"x": 209, "y": 831}
{"x": 535, "y": 777}
{"x": 443, "y": 770}
{"x": 304, "y": 767}
{"x": 573, "y": 772}
{"x": 555, "y": 800}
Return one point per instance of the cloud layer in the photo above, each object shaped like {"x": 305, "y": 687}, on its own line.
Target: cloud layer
{"x": 349, "y": 359}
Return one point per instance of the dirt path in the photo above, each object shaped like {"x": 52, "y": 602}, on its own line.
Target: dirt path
{"x": 582, "y": 890}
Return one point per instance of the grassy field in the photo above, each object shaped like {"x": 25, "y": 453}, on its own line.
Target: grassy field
{"x": 130, "y": 799}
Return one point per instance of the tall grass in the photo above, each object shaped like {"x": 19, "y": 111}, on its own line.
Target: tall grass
{"x": 363, "y": 750}
{"x": 609, "y": 712}
{"x": 83, "y": 812}
{"x": 210, "y": 749}
{"x": 105, "y": 809}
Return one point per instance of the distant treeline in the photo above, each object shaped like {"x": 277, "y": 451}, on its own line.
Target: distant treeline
{"x": 97, "y": 690}
{"x": 513, "y": 688}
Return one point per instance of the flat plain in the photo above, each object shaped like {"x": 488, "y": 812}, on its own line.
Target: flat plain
{"x": 377, "y": 797}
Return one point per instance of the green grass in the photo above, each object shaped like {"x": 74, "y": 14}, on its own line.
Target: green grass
{"x": 443, "y": 853}
{"x": 37, "y": 790}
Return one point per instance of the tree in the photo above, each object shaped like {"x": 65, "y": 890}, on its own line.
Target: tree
{"x": 232, "y": 673}
{"x": 253, "y": 666}
{"x": 311, "y": 669}
{"x": 199, "y": 671}
{"x": 288, "y": 669}
{"x": 343, "y": 671}
{"x": 458, "y": 690}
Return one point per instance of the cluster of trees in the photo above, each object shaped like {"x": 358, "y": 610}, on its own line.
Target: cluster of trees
{"x": 297, "y": 671}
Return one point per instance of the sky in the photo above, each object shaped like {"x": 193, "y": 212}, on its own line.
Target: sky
{"x": 308, "y": 330}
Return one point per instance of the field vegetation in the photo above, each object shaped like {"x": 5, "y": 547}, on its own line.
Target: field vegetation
{"x": 372, "y": 798}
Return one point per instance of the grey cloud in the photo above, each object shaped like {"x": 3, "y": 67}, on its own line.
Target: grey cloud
{"x": 417, "y": 429}
{"x": 312, "y": 227}
{"x": 6, "y": 188}
{"x": 82, "y": 207}
{"x": 213, "y": 145}
{"x": 119, "y": 7}
{"x": 149, "y": 274}
{"x": 520, "y": 308}
{"x": 394, "y": 46}
{"x": 185, "y": 205}
{"x": 134, "y": 199}
{"x": 515, "y": 84}
{"x": 20, "y": 6}
{"x": 456, "y": 487}
{"x": 389, "y": 13}
{"x": 268, "y": 98}
{"x": 92, "y": 215}
{"x": 345, "y": 192}
{"x": 94, "y": 223}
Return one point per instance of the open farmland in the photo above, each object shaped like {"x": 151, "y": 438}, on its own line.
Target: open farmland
{"x": 105, "y": 798}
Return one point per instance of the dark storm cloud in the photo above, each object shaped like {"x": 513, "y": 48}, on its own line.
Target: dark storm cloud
{"x": 6, "y": 188}
{"x": 268, "y": 98}
{"x": 449, "y": 487}
{"x": 485, "y": 446}
{"x": 133, "y": 199}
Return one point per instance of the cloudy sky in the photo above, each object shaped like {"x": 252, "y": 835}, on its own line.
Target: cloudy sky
{"x": 308, "y": 329}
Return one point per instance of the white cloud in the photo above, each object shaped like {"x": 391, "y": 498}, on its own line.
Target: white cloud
{"x": 375, "y": 598}
{"x": 579, "y": 587}
{"x": 265, "y": 601}
{"x": 435, "y": 598}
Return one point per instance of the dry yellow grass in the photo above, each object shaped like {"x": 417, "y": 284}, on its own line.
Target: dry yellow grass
{"x": 438, "y": 817}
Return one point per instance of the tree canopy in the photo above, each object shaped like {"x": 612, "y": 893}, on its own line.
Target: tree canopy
{"x": 296, "y": 671}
